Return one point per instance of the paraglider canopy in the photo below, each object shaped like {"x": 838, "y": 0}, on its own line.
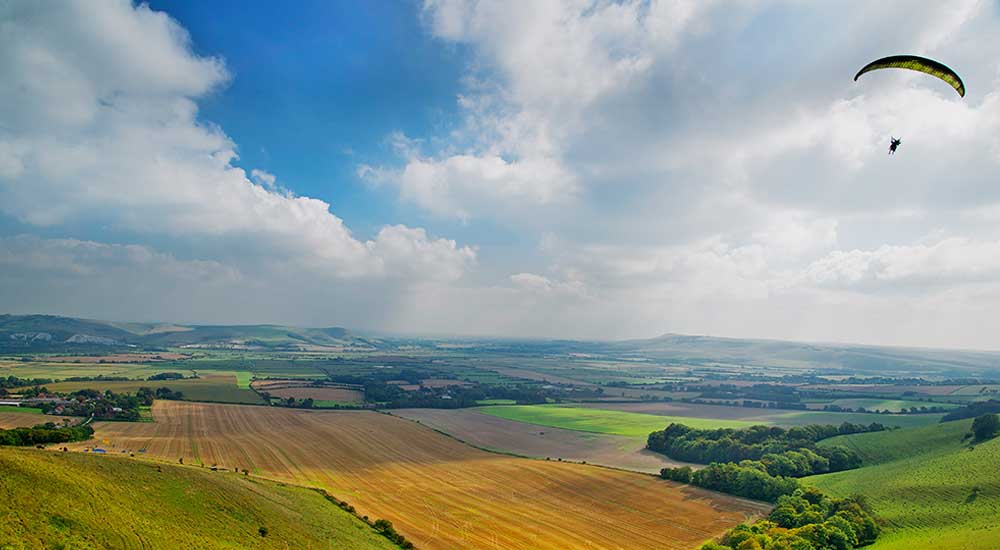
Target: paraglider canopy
{"x": 917, "y": 63}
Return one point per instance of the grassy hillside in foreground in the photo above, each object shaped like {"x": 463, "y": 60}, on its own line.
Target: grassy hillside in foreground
{"x": 933, "y": 490}
{"x": 70, "y": 500}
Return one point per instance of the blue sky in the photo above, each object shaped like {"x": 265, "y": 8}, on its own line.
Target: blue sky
{"x": 318, "y": 86}
{"x": 559, "y": 168}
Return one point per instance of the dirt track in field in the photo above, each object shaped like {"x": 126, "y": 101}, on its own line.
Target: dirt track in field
{"x": 438, "y": 492}
{"x": 499, "y": 434}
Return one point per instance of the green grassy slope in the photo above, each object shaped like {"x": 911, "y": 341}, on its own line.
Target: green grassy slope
{"x": 801, "y": 418}
{"x": 933, "y": 490}
{"x": 69, "y": 500}
{"x": 882, "y": 447}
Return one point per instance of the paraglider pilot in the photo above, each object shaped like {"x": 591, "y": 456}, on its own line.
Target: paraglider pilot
{"x": 893, "y": 144}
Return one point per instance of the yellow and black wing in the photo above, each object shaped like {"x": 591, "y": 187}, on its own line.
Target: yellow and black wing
{"x": 917, "y": 63}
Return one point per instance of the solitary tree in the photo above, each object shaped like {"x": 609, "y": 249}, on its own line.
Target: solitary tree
{"x": 986, "y": 427}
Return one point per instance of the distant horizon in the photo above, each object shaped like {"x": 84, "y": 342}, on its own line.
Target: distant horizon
{"x": 361, "y": 331}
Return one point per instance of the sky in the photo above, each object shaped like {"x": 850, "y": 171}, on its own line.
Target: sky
{"x": 548, "y": 169}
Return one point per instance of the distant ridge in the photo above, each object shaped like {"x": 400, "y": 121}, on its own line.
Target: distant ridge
{"x": 53, "y": 331}
{"x": 859, "y": 357}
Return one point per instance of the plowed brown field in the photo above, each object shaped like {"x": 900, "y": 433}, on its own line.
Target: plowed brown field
{"x": 437, "y": 491}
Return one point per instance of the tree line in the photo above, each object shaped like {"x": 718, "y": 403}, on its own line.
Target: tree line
{"x": 780, "y": 452}
{"x": 972, "y": 410}
{"x": 765, "y": 462}
{"x": 747, "y": 479}
{"x": 44, "y": 433}
{"x": 391, "y": 396}
{"x": 12, "y": 382}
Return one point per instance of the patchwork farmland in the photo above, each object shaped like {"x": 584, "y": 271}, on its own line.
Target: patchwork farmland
{"x": 438, "y": 492}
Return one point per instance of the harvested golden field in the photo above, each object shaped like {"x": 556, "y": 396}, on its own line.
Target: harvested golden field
{"x": 307, "y": 389}
{"x": 15, "y": 419}
{"x": 438, "y": 492}
{"x": 320, "y": 394}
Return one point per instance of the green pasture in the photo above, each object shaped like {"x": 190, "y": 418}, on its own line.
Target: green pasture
{"x": 243, "y": 379}
{"x": 629, "y": 424}
{"x": 27, "y": 410}
{"x": 801, "y": 418}
{"x": 496, "y": 402}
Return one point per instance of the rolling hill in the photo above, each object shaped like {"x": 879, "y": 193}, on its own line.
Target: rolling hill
{"x": 43, "y": 332}
{"x": 72, "y": 500}
{"x": 932, "y": 489}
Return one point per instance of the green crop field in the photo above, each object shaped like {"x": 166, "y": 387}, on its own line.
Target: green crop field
{"x": 70, "y": 500}
{"x": 496, "y": 402}
{"x": 243, "y": 379}
{"x": 933, "y": 490}
{"x": 27, "y": 410}
{"x": 602, "y": 421}
{"x": 799, "y": 418}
